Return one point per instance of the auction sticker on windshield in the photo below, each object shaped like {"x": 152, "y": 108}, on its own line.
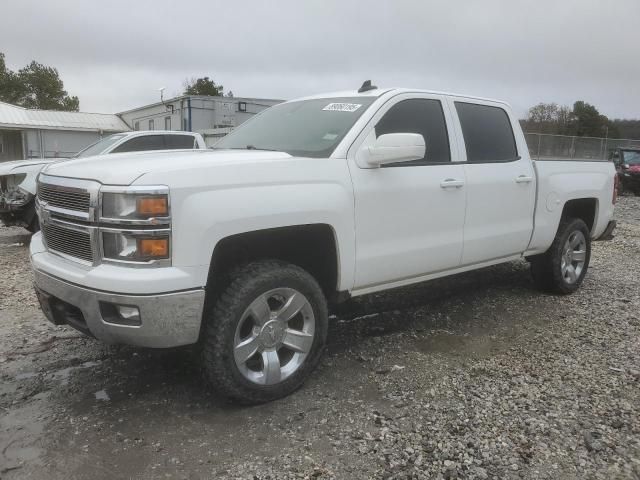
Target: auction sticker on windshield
{"x": 342, "y": 107}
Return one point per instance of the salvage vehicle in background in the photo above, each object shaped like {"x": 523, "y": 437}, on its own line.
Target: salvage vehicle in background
{"x": 627, "y": 162}
{"x": 18, "y": 178}
{"x": 243, "y": 249}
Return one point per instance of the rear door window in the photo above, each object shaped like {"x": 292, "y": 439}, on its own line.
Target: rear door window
{"x": 423, "y": 116}
{"x": 174, "y": 142}
{"x": 140, "y": 144}
{"x": 488, "y": 136}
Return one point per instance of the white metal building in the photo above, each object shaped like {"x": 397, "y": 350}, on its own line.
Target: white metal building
{"x": 27, "y": 133}
{"x": 213, "y": 117}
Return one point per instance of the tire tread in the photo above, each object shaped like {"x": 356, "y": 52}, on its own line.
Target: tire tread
{"x": 544, "y": 271}
{"x": 220, "y": 319}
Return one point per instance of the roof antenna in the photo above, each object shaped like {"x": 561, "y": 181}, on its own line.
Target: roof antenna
{"x": 366, "y": 86}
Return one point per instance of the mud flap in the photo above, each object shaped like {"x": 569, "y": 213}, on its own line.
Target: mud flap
{"x": 608, "y": 232}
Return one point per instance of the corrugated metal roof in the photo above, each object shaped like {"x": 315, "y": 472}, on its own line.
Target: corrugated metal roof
{"x": 18, "y": 117}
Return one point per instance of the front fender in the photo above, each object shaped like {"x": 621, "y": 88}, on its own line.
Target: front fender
{"x": 206, "y": 218}
{"x": 212, "y": 201}
{"x": 29, "y": 169}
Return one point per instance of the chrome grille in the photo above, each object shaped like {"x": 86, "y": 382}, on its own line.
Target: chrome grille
{"x": 69, "y": 242}
{"x": 64, "y": 197}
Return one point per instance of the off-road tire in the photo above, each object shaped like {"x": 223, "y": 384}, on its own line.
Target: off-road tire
{"x": 221, "y": 319}
{"x": 546, "y": 268}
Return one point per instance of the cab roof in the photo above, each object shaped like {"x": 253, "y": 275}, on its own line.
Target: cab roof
{"x": 379, "y": 92}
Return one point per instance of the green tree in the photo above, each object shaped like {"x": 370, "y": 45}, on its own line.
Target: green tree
{"x": 582, "y": 120}
{"x": 625, "y": 128}
{"x": 45, "y": 89}
{"x": 11, "y": 90}
{"x": 35, "y": 86}
{"x": 588, "y": 121}
{"x": 202, "y": 86}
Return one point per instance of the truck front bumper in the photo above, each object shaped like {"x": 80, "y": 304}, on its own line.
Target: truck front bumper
{"x": 630, "y": 181}
{"x": 162, "y": 320}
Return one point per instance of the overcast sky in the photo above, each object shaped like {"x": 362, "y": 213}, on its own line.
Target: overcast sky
{"x": 115, "y": 54}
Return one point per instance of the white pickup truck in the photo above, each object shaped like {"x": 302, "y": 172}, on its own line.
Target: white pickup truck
{"x": 18, "y": 178}
{"x": 243, "y": 249}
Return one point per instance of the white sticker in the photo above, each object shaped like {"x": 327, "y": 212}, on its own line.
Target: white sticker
{"x": 342, "y": 107}
{"x": 330, "y": 136}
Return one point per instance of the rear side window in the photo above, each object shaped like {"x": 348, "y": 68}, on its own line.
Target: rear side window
{"x": 173, "y": 142}
{"x": 487, "y": 131}
{"x": 140, "y": 144}
{"x": 423, "y": 116}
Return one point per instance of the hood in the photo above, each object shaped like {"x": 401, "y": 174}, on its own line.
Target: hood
{"x": 125, "y": 168}
{"x": 7, "y": 168}
{"x": 633, "y": 169}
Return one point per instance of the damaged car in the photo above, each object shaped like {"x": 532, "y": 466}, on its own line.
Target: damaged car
{"x": 17, "y": 192}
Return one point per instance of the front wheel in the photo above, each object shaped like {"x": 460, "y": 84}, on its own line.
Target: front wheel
{"x": 266, "y": 332}
{"x": 562, "y": 268}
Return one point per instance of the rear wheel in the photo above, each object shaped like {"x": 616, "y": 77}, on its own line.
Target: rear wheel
{"x": 562, "y": 268}
{"x": 266, "y": 332}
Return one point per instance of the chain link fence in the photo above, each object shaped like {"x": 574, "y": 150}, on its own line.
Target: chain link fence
{"x": 549, "y": 147}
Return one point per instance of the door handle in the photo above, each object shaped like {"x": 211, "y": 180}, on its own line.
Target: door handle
{"x": 524, "y": 179}
{"x": 451, "y": 183}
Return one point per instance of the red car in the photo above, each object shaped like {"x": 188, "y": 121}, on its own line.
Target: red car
{"x": 627, "y": 162}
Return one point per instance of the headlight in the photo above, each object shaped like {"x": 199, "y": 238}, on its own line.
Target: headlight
{"x": 14, "y": 180}
{"x": 135, "y": 225}
{"x": 134, "y": 206}
{"x": 136, "y": 246}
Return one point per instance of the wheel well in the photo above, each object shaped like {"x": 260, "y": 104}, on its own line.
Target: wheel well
{"x": 582, "y": 208}
{"x": 312, "y": 247}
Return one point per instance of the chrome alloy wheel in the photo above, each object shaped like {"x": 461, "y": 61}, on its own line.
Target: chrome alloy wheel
{"x": 274, "y": 336}
{"x": 574, "y": 256}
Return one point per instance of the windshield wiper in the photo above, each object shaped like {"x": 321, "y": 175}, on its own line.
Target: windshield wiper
{"x": 248, "y": 147}
{"x": 253, "y": 147}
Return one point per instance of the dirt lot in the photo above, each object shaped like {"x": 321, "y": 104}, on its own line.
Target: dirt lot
{"x": 476, "y": 376}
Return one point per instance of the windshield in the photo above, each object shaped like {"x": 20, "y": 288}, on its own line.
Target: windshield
{"x": 100, "y": 146}
{"x": 307, "y": 128}
{"x": 631, "y": 157}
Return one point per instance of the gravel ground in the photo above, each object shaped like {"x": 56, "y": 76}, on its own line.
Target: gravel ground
{"x": 475, "y": 376}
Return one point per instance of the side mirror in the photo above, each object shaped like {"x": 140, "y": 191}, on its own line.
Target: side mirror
{"x": 395, "y": 148}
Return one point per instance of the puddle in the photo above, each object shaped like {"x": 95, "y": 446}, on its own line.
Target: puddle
{"x": 64, "y": 374}
{"x": 102, "y": 395}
